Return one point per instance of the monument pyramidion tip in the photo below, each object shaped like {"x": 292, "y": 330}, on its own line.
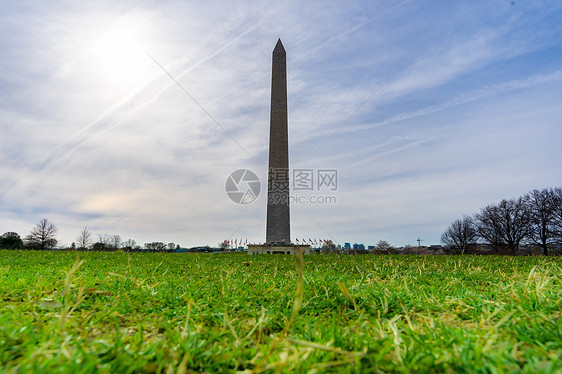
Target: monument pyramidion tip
{"x": 279, "y": 47}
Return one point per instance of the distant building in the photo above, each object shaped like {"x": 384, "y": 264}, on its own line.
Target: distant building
{"x": 346, "y": 246}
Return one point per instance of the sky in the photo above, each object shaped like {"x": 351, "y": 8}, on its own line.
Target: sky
{"x": 129, "y": 116}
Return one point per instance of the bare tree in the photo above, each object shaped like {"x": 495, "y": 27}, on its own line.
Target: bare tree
{"x": 558, "y": 213}
{"x": 542, "y": 207}
{"x": 128, "y": 244}
{"x": 488, "y": 225}
{"x": 104, "y": 242}
{"x": 104, "y": 239}
{"x": 42, "y": 236}
{"x": 460, "y": 235}
{"x": 84, "y": 240}
{"x": 505, "y": 224}
{"x": 383, "y": 246}
{"x": 115, "y": 241}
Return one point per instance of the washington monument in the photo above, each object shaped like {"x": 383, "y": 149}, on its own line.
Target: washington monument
{"x": 278, "y": 216}
{"x": 278, "y": 227}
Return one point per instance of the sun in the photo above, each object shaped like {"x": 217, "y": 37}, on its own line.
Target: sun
{"x": 120, "y": 51}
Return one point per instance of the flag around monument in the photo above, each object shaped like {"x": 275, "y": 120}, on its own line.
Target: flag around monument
{"x": 278, "y": 228}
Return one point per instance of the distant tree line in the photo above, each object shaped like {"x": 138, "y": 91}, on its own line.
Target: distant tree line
{"x": 533, "y": 219}
{"x": 43, "y": 237}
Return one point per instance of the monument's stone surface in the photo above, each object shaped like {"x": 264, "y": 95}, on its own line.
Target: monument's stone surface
{"x": 278, "y": 215}
{"x": 278, "y": 228}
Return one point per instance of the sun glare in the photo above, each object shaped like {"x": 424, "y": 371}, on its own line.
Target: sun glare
{"x": 120, "y": 50}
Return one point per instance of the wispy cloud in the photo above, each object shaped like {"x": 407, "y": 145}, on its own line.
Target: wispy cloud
{"x": 466, "y": 97}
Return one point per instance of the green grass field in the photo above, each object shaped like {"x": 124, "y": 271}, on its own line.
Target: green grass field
{"x": 183, "y": 313}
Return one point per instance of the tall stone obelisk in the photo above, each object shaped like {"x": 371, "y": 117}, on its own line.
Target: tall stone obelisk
{"x": 278, "y": 215}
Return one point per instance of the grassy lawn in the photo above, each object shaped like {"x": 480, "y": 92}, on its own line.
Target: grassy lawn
{"x": 183, "y": 313}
